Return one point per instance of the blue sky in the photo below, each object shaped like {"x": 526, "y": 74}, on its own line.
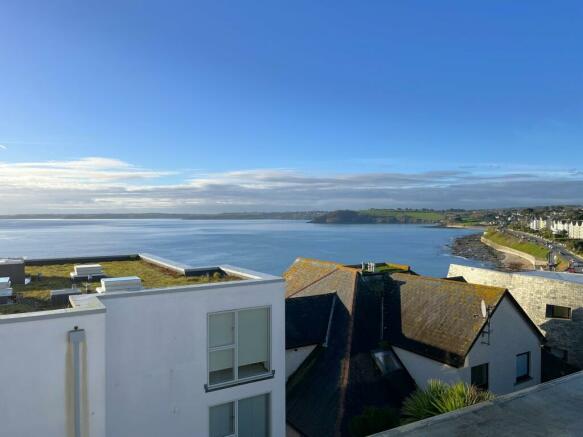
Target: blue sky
{"x": 221, "y": 105}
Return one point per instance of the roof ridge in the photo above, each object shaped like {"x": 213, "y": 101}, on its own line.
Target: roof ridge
{"x": 448, "y": 280}
{"x": 312, "y": 283}
{"x": 301, "y": 258}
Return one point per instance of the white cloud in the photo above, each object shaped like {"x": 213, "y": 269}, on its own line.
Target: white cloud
{"x": 82, "y": 174}
{"x": 3, "y": 147}
{"x": 101, "y": 184}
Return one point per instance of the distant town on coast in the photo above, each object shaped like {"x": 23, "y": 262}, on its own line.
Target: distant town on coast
{"x": 446, "y": 217}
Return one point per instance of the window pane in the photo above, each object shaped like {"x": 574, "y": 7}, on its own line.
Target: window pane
{"x": 222, "y": 421}
{"x": 480, "y": 376}
{"x": 254, "y": 417}
{"x": 558, "y": 312}
{"x": 221, "y": 329}
{"x": 562, "y": 312}
{"x": 221, "y": 364}
{"x": 253, "y": 342}
{"x": 522, "y": 365}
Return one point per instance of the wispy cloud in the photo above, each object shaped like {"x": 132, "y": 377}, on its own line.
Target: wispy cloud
{"x": 2, "y": 147}
{"x": 104, "y": 184}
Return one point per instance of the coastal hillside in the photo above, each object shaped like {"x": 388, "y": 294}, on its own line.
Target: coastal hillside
{"x": 390, "y": 216}
{"x": 449, "y": 217}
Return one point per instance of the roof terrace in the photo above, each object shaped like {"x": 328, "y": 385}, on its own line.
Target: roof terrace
{"x": 44, "y": 277}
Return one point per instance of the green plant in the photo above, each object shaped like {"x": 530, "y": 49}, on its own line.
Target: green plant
{"x": 373, "y": 420}
{"x": 439, "y": 398}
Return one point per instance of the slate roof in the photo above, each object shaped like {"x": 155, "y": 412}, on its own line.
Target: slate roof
{"x": 337, "y": 381}
{"x": 438, "y": 318}
{"x": 306, "y": 320}
{"x": 304, "y": 272}
{"x": 309, "y": 277}
{"x": 315, "y": 393}
{"x": 575, "y": 278}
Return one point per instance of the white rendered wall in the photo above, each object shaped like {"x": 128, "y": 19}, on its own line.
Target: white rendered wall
{"x": 295, "y": 357}
{"x": 157, "y": 359}
{"x": 36, "y": 374}
{"x": 423, "y": 369}
{"x": 510, "y": 335}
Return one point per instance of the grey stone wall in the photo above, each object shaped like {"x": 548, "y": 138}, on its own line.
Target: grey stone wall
{"x": 533, "y": 294}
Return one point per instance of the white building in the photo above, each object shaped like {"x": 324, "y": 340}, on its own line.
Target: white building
{"x": 573, "y": 228}
{"x": 437, "y": 330}
{"x": 206, "y": 359}
{"x": 538, "y": 223}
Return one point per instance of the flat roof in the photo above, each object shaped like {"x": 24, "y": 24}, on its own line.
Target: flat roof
{"x": 552, "y": 408}
{"x": 156, "y": 273}
{"x": 576, "y": 278}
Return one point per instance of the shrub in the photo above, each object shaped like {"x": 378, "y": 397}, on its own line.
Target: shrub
{"x": 373, "y": 420}
{"x": 439, "y": 398}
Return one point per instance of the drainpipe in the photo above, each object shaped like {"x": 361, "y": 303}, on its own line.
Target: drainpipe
{"x": 75, "y": 338}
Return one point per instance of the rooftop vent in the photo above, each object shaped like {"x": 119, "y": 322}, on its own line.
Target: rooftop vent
{"x": 86, "y": 271}
{"x": 5, "y": 290}
{"x": 14, "y": 269}
{"x": 128, "y": 283}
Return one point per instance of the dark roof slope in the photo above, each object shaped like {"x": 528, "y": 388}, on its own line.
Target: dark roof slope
{"x": 338, "y": 381}
{"x": 315, "y": 393}
{"x": 437, "y": 318}
{"x": 306, "y": 319}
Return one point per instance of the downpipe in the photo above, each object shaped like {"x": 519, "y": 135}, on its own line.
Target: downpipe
{"x": 76, "y": 337}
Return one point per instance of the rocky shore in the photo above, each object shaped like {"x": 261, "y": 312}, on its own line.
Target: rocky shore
{"x": 470, "y": 246}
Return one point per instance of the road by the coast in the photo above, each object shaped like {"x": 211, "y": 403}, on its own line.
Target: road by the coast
{"x": 553, "y": 245}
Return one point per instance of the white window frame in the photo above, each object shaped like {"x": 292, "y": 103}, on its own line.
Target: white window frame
{"x": 235, "y": 347}
{"x": 236, "y": 413}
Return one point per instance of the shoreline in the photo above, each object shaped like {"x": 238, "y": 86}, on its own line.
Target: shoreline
{"x": 472, "y": 227}
{"x": 471, "y": 247}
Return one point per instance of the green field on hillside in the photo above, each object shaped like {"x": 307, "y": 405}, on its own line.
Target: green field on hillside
{"x": 429, "y": 216}
{"x": 536, "y": 250}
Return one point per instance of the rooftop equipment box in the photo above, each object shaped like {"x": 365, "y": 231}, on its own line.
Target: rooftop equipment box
{"x": 14, "y": 269}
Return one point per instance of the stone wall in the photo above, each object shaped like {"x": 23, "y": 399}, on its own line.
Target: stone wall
{"x": 531, "y": 259}
{"x": 533, "y": 293}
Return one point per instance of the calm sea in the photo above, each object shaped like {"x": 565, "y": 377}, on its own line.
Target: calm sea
{"x": 265, "y": 245}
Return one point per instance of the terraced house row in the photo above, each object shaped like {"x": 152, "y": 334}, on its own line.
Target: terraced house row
{"x": 573, "y": 228}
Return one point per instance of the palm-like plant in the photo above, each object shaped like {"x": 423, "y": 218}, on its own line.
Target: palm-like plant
{"x": 439, "y": 398}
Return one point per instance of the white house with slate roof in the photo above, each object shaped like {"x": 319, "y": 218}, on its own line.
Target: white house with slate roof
{"x": 552, "y": 300}
{"x": 437, "y": 330}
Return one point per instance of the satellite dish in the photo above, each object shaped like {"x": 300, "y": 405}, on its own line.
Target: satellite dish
{"x": 484, "y": 309}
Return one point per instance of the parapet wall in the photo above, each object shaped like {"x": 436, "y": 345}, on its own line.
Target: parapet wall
{"x": 533, "y": 293}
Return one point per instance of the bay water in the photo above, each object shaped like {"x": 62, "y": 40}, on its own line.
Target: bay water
{"x": 268, "y": 246}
